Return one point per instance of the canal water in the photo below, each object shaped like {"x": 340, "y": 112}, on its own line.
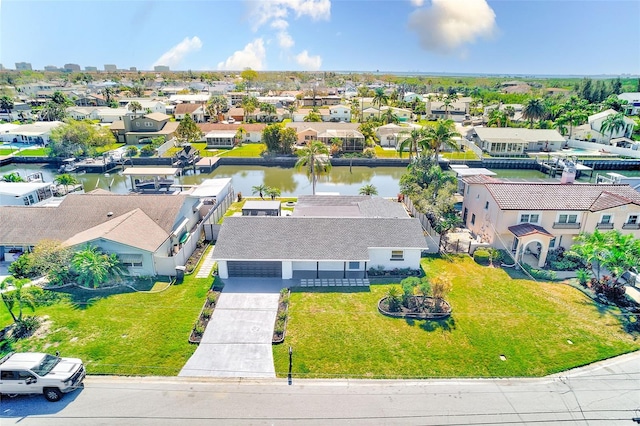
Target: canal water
{"x": 343, "y": 180}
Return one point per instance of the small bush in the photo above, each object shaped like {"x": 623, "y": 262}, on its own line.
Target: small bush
{"x": 282, "y": 315}
{"x": 540, "y": 274}
{"x": 132, "y": 151}
{"x": 394, "y": 299}
{"x": 147, "y": 150}
{"x": 206, "y": 314}
{"x": 26, "y": 327}
{"x": 198, "y": 329}
{"x": 211, "y": 297}
{"x": 481, "y": 256}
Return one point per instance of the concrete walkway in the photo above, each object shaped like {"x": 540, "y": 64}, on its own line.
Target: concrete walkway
{"x": 206, "y": 266}
{"x": 237, "y": 341}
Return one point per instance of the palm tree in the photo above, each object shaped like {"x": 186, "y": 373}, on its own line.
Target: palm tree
{"x": 259, "y": 189}
{"x": 249, "y": 105}
{"x": 442, "y": 134}
{"x": 368, "y": 189}
{"x": 313, "y": 116}
{"x": 6, "y": 104}
{"x": 613, "y": 123}
{"x": 134, "y": 106}
{"x": 416, "y": 138}
{"x": 497, "y": 118}
{"x": 108, "y": 94}
{"x": 572, "y": 118}
{"x": 65, "y": 180}
{"x": 534, "y": 109}
{"x": 240, "y": 134}
{"x": 390, "y": 117}
{"x": 380, "y": 98}
{"x": 315, "y": 159}
{"x": 273, "y": 192}
{"x": 447, "y": 100}
{"x": 269, "y": 109}
{"x": 292, "y": 108}
{"x": 94, "y": 267}
{"x": 12, "y": 177}
{"x": 16, "y": 296}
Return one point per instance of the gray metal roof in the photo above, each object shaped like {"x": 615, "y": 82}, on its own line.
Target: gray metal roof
{"x": 313, "y": 238}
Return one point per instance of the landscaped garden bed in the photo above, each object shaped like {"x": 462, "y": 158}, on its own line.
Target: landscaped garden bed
{"x": 205, "y": 315}
{"x": 280, "y": 327}
{"x": 419, "y": 307}
{"x": 196, "y": 256}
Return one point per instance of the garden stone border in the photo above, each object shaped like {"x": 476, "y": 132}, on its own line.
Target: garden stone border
{"x": 424, "y": 316}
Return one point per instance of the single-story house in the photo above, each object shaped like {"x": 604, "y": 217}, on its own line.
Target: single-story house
{"x": 316, "y": 247}
{"x": 152, "y": 234}
{"x": 37, "y": 133}
{"x": 146, "y": 104}
{"x": 515, "y": 141}
{"x": 534, "y": 217}
{"x": 308, "y": 131}
{"x": 252, "y": 132}
{"x": 220, "y": 138}
{"x": 391, "y": 135}
{"x": 195, "y": 110}
{"x": 24, "y": 193}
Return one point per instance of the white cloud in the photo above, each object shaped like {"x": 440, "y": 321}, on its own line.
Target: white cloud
{"x": 417, "y": 3}
{"x": 448, "y": 25}
{"x": 252, "y": 56}
{"x": 285, "y": 40}
{"x": 274, "y": 10}
{"x": 174, "y": 56}
{"x": 280, "y": 24}
{"x": 309, "y": 63}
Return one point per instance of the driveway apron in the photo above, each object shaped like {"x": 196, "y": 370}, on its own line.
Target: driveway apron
{"x": 237, "y": 340}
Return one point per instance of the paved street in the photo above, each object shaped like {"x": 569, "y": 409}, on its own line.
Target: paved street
{"x": 606, "y": 393}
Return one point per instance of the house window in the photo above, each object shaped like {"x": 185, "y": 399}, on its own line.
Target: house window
{"x": 356, "y": 265}
{"x": 568, "y": 218}
{"x": 486, "y": 205}
{"x": 473, "y": 218}
{"x": 131, "y": 260}
{"x": 529, "y": 218}
{"x": 606, "y": 218}
{"x": 397, "y": 255}
{"x": 148, "y": 124}
{"x": 552, "y": 243}
{"x": 633, "y": 219}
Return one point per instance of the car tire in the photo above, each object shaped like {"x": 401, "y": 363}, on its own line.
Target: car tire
{"x": 52, "y": 394}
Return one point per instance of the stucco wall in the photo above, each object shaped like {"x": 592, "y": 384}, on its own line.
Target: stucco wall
{"x": 382, "y": 257}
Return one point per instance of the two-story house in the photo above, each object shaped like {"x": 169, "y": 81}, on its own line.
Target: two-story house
{"x": 524, "y": 217}
{"x": 134, "y": 127}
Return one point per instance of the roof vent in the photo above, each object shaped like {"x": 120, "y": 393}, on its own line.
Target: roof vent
{"x": 109, "y": 214}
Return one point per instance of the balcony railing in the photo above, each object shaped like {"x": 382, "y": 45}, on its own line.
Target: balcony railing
{"x": 631, "y": 226}
{"x": 604, "y": 226}
{"x": 564, "y": 225}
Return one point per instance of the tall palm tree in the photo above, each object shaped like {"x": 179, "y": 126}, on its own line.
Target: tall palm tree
{"x": 65, "y": 180}
{"x": 497, "y": 118}
{"x": 315, "y": 159}
{"x": 270, "y": 109}
{"x": 534, "y": 109}
{"x": 240, "y": 134}
{"x": 390, "y": 117}
{"x": 134, "y": 106}
{"x": 249, "y": 105}
{"x": 572, "y": 118}
{"x": 447, "y": 100}
{"x": 441, "y": 135}
{"x": 613, "y": 123}
{"x": 313, "y": 116}
{"x": 292, "y": 108}
{"x": 416, "y": 138}
{"x": 368, "y": 189}
{"x": 380, "y": 98}
{"x": 6, "y": 104}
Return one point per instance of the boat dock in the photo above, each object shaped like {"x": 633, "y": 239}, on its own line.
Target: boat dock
{"x": 208, "y": 164}
{"x": 151, "y": 179}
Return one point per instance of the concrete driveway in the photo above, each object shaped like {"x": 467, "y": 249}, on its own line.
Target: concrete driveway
{"x": 237, "y": 341}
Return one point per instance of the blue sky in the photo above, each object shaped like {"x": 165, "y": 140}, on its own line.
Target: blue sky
{"x": 556, "y": 37}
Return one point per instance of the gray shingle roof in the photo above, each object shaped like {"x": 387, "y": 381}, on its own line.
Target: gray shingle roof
{"x": 348, "y": 206}
{"x": 554, "y": 196}
{"x": 80, "y": 212}
{"x": 313, "y": 238}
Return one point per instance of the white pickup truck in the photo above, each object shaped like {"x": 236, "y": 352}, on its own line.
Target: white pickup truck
{"x": 35, "y": 372}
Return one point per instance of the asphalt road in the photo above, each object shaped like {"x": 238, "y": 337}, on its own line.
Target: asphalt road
{"x": 607, "y": 393}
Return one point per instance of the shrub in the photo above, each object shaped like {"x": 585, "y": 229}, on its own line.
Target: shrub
{"x": 282, "y": 315}
{"x": 132, "y": 151}
{"x": 147, "y": 150}
{"x": 206, "y": 314}
{"x": 539, "y": 274}
{"x": 583, "y": 276}
{"x": 212, "y": 298}
{"x": 481, "y": 256}
{"x": 394, "y": 299}
{"x": 26, "y": 327}
{"x": 198, "y": 329}
{"x": 495, "y": 255}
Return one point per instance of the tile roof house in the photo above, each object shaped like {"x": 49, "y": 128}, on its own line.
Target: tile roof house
{"x": 500, "y": 213}
{"x": 144, "y": 230}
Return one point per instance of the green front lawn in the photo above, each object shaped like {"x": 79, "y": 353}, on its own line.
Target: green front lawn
{"x": 466, "y": 155}
{"x": 102, "y": 149}
{"x": 38, "y": 152}
{"x": 125, "y": 334}
{"x": 7, "y": 151}
{"x": 246, "y": 150}
{"x": 386, "y": 153}
{"x": 341, "y": 334}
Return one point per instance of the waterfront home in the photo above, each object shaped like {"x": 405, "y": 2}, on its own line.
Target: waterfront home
{"x": 135, "y": 127}
{"x": 152, "y": 234}
{"x": 38, "y": 132}
{"x": 456, "y": 111}
{"x": 251, "y": 132}
{"x": 195, "y": 110}
{"x": 533, "y": 217}
{"x": 24, "y": 193}
{"x": 317, "y": 246}
{"x": 592, "y": 130}
{"x": 103, "y": 114}
{"x": 515, "y": 141}
{"x": 391, "y": 135}
{"x": 351, "y": 138}
{"x": 21, "y": 111}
